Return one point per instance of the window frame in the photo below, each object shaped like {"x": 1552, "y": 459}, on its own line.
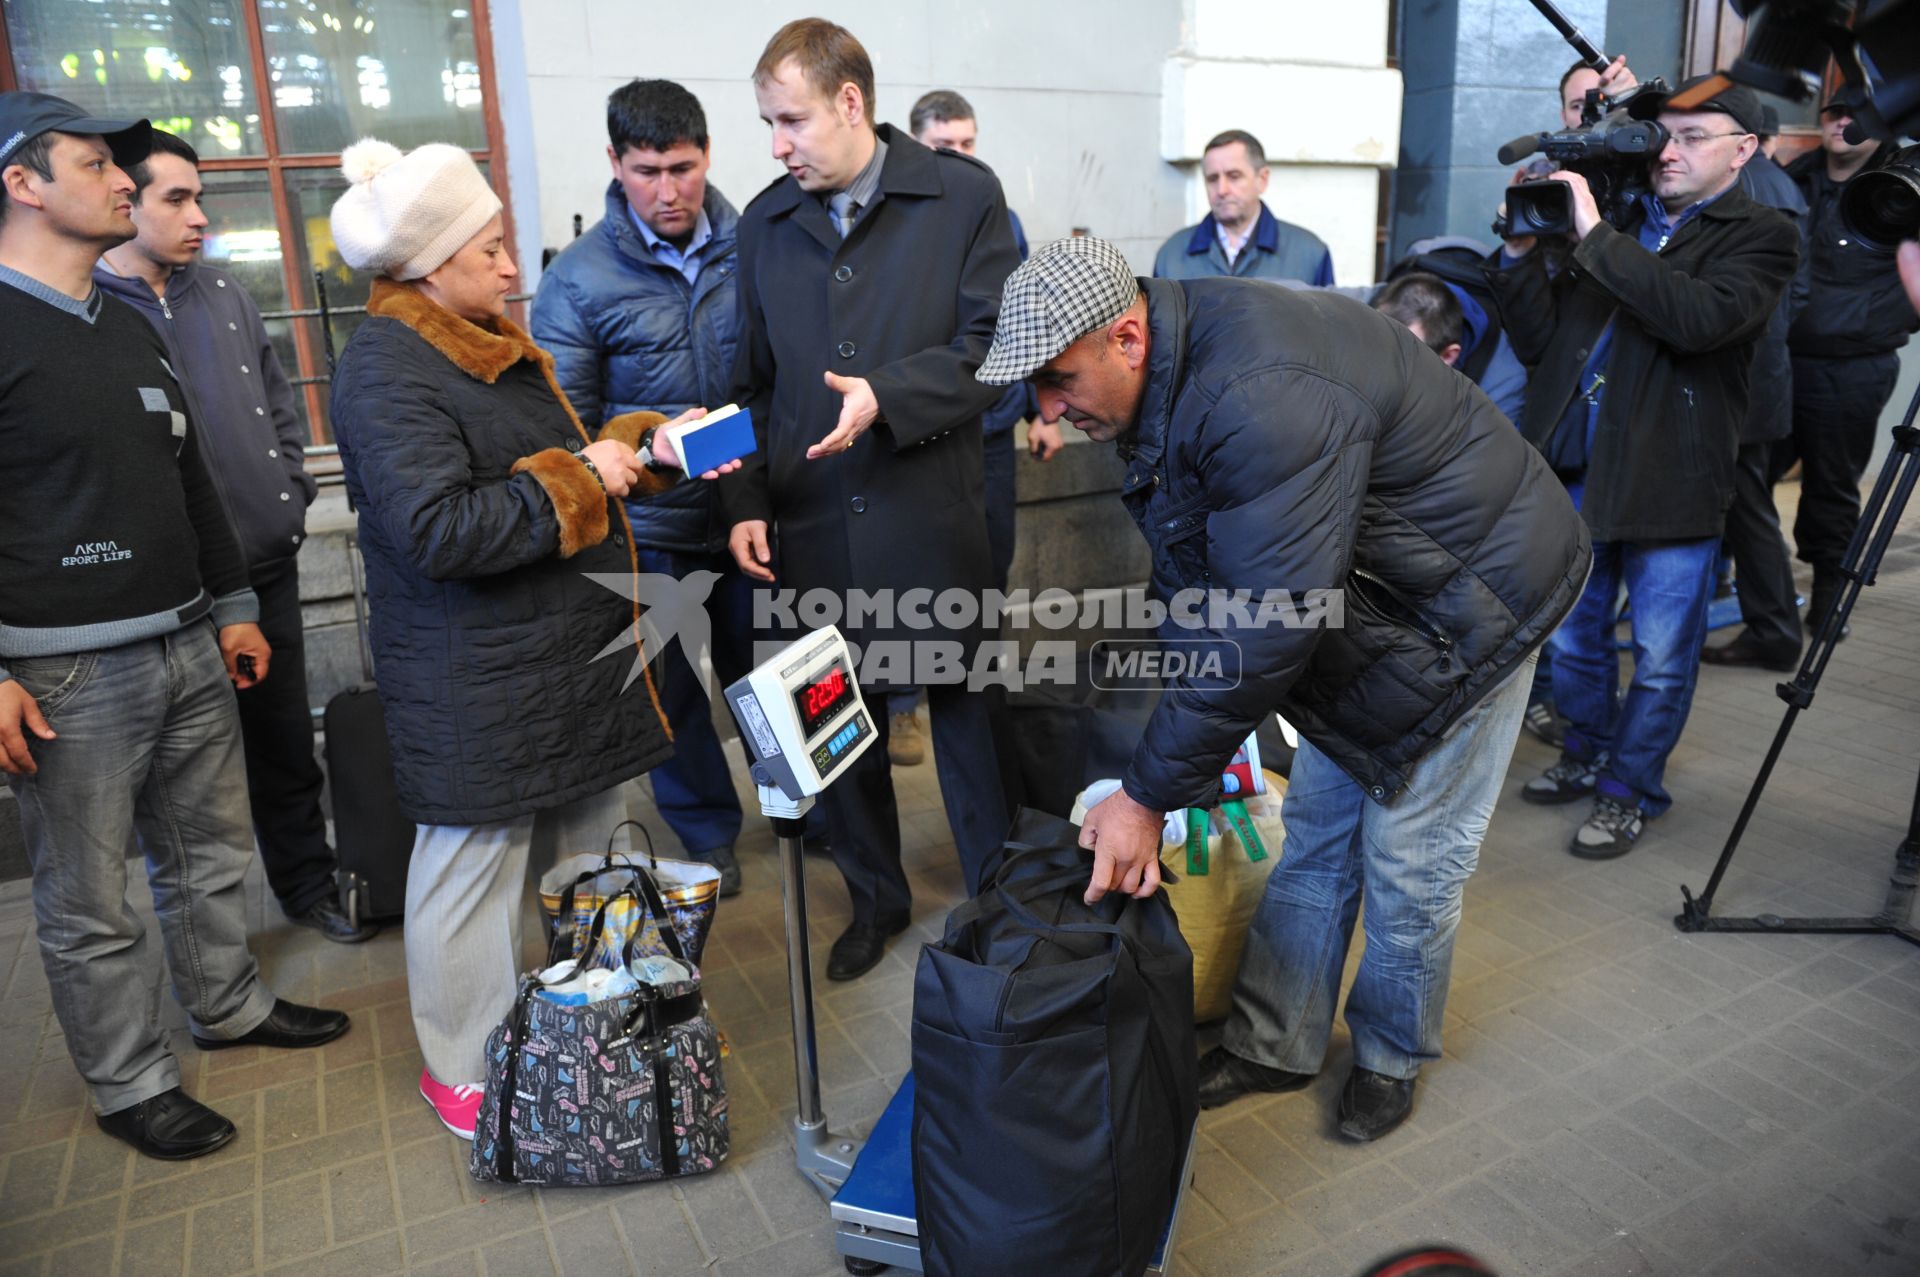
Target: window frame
{"x": 310, "y": 377}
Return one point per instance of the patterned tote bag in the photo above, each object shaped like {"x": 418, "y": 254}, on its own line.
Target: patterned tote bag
{"x": 616, "y": 1091}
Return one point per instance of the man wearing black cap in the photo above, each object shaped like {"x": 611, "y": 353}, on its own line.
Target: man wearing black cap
{"x": 1641, "y": 355}
{"x": 1844, "y": 360}
{"x": 125, "y": 624}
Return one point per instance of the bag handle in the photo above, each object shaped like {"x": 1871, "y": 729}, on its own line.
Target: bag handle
{"x": 1238, "y": 820}
{"x": 1014, "y": 903}
{"x": 1242, "y": 824}
{"x": 663, "y": 921}
{"x": 503, "y": 1146}
{"x": 560, "y": 945}
{"x": 646, "y": 895}
{"x": 653, "y": 861}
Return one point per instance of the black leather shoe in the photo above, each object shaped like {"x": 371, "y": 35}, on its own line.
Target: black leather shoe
{"x": 329, "y": 920}
{"x": 1371, "y": 1104}
{"x": 723, "y": 859}
{"x": 1225, "y": 1077}
{"x": 860, "y": 948}
{"x": 170, "y": 1126}
{"x": 288, "y": 1025}
{"x": 1749, "y": 652}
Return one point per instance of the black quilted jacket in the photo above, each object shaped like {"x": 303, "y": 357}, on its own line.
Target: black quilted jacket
{"x": 1299, "y": 441}
{"x": 478, "y": 523}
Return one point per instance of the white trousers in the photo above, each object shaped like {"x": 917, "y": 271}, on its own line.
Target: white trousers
{"x": 466, "y": 892}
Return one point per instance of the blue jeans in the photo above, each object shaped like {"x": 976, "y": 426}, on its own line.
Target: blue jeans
{"x": 1410, "y": 857}
{"x": 1669, "y": 587}
{"x": 694, "y": 788}
{"x": 149, "y": 743}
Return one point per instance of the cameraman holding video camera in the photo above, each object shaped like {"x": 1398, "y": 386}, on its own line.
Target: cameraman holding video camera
{"x": 1640, "y": 351}
{"x": 1845, "y": 348}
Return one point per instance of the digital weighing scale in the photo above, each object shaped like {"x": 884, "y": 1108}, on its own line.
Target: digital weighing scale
{"x": 802, "y": 723}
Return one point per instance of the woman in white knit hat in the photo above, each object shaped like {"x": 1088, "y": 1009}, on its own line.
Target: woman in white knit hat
{"x": 483, "y": 507}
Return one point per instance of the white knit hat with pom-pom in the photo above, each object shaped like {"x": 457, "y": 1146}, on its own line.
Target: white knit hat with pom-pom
{"x": 405, "y": 215}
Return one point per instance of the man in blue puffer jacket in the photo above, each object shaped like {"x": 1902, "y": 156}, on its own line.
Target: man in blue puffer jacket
{"x": 638, "y": 314}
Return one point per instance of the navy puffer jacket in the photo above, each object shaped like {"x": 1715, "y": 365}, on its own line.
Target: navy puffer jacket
{"x": 1299, "y": 441}
{"x": 479, "y": 524}
{"x": 629, "y": 334}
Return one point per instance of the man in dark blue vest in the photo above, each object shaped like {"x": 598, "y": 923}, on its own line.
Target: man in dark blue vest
{"x": 639, "y": 315}
{"x": 1241, "y": 236}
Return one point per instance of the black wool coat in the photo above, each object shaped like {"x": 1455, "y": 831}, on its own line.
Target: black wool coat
{"x": 1300, "y": 442}
{"x": 1685, "y": 323}
{"x": 478, "y": 524}
{"x": 909, "y": 301}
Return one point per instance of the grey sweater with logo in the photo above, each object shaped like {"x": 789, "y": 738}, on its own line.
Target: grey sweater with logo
{"x": 111, "y": 531}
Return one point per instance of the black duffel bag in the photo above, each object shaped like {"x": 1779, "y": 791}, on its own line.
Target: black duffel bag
{"x": 1054, "y": 1072}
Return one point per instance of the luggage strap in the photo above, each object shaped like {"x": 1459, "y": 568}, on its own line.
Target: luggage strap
{"x": 503, "y": 1146}
{"x": 1237, "y": 819}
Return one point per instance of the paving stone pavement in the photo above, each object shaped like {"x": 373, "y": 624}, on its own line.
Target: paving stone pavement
{"x": 1617, "y": 1098}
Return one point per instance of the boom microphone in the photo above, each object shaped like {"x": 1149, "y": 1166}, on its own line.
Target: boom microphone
{"x": 1519, "y": 149}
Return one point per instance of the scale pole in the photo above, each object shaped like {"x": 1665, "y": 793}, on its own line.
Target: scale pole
{"x": 793, "y": 900}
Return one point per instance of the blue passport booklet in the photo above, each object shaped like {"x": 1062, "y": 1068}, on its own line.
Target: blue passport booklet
{"x": 723, "y": 435}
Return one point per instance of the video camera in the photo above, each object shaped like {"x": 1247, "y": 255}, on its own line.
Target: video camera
{"x": 1876, "y": 46}
{"x": 1610, "y": 149}
{"x": 1882, "y": 205}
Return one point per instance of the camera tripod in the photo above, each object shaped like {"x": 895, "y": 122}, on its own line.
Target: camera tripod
{"x": 1870, "y": 539}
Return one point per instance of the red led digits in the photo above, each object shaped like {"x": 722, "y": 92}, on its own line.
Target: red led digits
{"x": 818, "y": 700}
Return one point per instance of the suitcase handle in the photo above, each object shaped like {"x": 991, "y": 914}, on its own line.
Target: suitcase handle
{"x": 360, "y": 608}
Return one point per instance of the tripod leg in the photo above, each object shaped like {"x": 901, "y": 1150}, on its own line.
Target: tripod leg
{"x": 1871, "y": 536}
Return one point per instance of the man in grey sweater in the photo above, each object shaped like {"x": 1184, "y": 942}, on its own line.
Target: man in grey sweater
{"x": 125, "y": 623}
{"x": 254, "y": 448}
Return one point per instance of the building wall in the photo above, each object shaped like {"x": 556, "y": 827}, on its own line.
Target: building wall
{"x": 1073, "y": 99}
{"x": 1069, "y": 111}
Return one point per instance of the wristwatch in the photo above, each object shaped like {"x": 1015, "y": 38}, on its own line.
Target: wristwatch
{"x": 645, "y": 451}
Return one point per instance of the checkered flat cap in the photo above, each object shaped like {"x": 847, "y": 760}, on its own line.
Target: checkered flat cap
{"x": 1064, "y": 291}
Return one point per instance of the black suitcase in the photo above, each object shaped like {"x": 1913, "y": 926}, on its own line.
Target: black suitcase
{"x": 371, "y": 835}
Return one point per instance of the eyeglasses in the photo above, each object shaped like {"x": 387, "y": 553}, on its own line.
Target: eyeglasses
{"x": 1693, "y": 140}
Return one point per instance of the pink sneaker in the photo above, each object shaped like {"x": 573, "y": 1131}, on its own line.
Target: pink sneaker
{"x": 457, "y": 1107}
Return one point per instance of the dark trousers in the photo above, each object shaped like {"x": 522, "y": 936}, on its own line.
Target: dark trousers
{"x": 694, "y": 788}
{"x": 283, "y": 780}
{"x": 1000, "y": 461}
{"x": 1836, "y": 414}
{"x": 863, "y": 816}
{"x": 1760, "y": 553}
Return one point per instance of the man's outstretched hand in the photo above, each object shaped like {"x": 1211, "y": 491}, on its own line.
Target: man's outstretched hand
{"x": 858, "y": 411}
{"x": 1125, "y": 840}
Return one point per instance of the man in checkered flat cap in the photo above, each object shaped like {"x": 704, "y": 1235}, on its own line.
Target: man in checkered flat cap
{"x": 1300, "y": 442}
